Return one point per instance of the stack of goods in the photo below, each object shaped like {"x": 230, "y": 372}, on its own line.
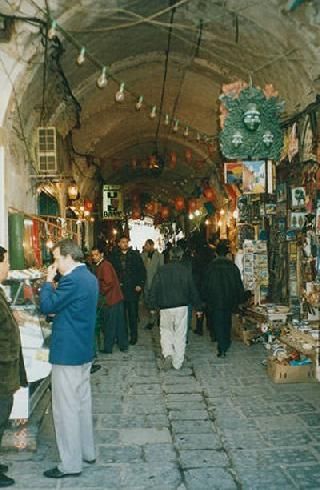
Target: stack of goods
{"x": 255, "y": 271}
{"x": 288, "y": 365}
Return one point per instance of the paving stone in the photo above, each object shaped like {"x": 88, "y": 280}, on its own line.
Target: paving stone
{"x": 153, "y": 453}
{"x": 196, "y": 427}
{"x": 103, "y": 406}
{"x": 147, "y": 408}
{"x": 209, "y": 478}
{"x": 182, "y": 397}
{"x": 243, "y": 439}
{"x": 107, "y": 436}
{"x": 311, "y": 419}
{"x": 143, "y": 421}
{"x": 145, "y": 436}
{"x": 306, "y": 476}
{"x": 257, "y": 478}
{"x": 147, "y": 389}
{"x": 117, "y": 454}
{"x": 202, "y": 458}
{"x": 283, "y": 421}
{"x": 188, "y": 415}
{"x": 186, "y": 405}
{"x": 182, "y": 388}
{"x": 273, "y": 457}
{"x": 150, "y": 476}
{"x": 197, "y": 441}
{"x": 295, "y": 407}
{"x": 108, "y": 478}
{"x": 285, "y": 438}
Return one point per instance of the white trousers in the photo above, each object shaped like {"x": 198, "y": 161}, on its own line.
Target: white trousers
{"x": 72, "y": 415}
{"x": 173, "y": 332}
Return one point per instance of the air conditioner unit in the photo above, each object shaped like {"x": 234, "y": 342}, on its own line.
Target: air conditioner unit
{"x": 47, "y": 150}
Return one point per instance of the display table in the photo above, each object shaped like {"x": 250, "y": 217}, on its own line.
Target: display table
{"x": 22, "y": 289}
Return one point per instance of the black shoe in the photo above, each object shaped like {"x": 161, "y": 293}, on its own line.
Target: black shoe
{"x": 133, "y": 341}
{"x": 56, "y": 473}
{"x": 89, "y": 461}
{"x": 95, "y": 368}
{"x": 198, "y": 332}
{"x": 5, "y": 481}
{"x": 124, "y": 350}
{"x": 4, "y": 468}
{"x": 221, "y": 354}
{"x": 149, "y": 326}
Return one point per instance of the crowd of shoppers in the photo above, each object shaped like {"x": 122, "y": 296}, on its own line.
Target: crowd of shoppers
{"x": 203, "y": 278}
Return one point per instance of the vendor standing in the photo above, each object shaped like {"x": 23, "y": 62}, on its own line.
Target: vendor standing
{"x": 12, "y": 372}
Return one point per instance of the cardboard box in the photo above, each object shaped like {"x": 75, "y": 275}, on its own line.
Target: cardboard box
{"x": 236, "y": 327}
{"x": 284, "y": 373}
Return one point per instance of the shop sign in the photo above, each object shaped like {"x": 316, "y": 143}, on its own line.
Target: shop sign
{"x": 112, "y": 202}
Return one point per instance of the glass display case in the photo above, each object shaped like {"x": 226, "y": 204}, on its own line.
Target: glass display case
{"x": 22, "y": 289}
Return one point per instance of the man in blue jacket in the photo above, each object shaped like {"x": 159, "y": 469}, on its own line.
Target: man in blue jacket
{"x": 73, "y": 303}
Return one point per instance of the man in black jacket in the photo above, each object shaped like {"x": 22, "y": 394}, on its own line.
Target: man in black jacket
{"x": 224, "y": 292}
{"x": 132, "y": 275}
{"x": 172, "y": 291}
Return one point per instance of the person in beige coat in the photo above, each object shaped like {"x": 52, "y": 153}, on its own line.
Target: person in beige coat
{"x": 152, "y": 260}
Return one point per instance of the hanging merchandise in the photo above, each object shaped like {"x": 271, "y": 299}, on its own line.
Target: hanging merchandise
{"x": 293, "y": 142}
{"x": 251, "y": 123}
{"x": 255, "y": 271}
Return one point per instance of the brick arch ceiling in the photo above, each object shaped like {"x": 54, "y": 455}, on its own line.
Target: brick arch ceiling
{"x": 238, "y": 37}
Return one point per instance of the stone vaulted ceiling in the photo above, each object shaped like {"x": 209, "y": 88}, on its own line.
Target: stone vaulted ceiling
{"x": 211, "y": 42}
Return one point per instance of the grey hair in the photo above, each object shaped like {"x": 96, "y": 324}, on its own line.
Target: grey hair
{"x": 69, "y": 247}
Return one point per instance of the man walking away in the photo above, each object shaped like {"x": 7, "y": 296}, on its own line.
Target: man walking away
{"x": 131, "y": 274}
{"x": 152, "y": 260}
{"x": 172, "y": 291}
{"x": 224, "y": 292}
{"x": 111, "y": 299}
{"x": 74, "y": 304}
{"x": 12, "y": 372}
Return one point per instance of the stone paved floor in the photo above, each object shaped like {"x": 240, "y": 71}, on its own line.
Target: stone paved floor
{"x": 216, "y": 424}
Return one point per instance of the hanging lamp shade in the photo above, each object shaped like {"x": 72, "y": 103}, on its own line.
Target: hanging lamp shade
{"x": 173, "y": 159}
{"x": 73, "y": 191}
{"x": 164, "y": 212}
{"x": 88, "y": 205}
{"x": 179, "y": 203}
{"x": 209, "y": 193}
{"x": 188, "y": 155}
{"x": 192, "y": 205}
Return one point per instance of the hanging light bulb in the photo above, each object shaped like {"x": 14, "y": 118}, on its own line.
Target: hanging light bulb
{"x": 102, "y": 80}
{"x": 49, "y": 243}
{"x": 235, "y": 214}
{"x": 153, "y": 112}
{"x": 120, "y": 94}
{"x": 81, "y": 57}
{"x": 186, "y": 132}
{"x": 139, "y": 103}
{"x": 166, "y": 120}
{"x": 52, "y": 32}
{"x": 175, "y": 126}
{"x": 222, "y": 212}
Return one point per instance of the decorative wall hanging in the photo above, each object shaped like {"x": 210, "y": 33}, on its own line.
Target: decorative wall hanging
{"x": 251, "y": 123}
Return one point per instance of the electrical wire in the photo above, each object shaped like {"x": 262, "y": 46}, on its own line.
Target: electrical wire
{"x": 166, "y": 63}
